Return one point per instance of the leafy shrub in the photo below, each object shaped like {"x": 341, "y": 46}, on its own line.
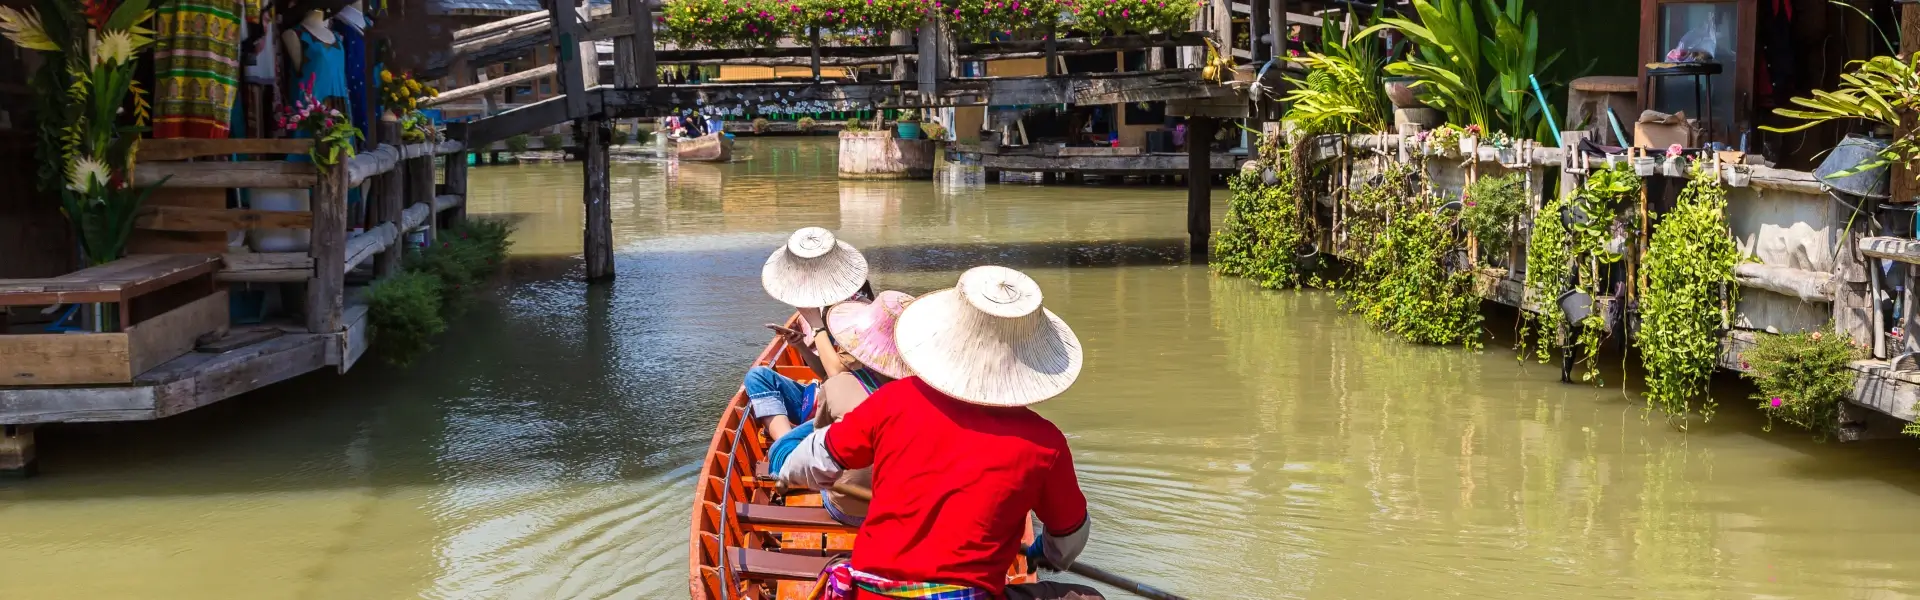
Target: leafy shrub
{"x": 404, "y": 310}
{"x": 1491, "y": 208}
{"x": 760, "y": 124}
{"x": 1408, "y": 281}
{"x": 1130, "y": 16}
{"x": 552, "y": 142}
{"x": 518, "y": 144}
{"x": 1802, "y": 377}
{"x": 855, "y": 125}
{"x": 1686, "y": 297}
{"x": 934, "y": 131}
{"x": 804, "y": 124}
{"x": 1264, "y": 231}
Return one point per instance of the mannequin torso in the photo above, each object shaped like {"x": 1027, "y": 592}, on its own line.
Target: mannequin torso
{"x": 315, "y": 25}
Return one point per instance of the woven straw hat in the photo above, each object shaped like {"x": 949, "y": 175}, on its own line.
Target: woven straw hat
{"x": 813, "y": 269}
{"x": 865, "y": 330}
{"x": 987, "y": 341}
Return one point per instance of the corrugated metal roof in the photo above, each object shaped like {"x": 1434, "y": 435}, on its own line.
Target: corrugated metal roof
{"x": 497, "y": 7}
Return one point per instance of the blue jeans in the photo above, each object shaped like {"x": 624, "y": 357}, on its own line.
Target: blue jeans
{"x": 769, "y": 393}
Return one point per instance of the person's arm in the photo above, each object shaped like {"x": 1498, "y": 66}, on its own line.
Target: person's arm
{"x": 1063, "y": 513}
{"x": 824, "y": 360}
{"x": 830, "y": 451}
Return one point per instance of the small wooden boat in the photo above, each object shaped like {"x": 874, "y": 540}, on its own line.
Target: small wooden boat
{"x": 712, "y": 147}
{"x": 749, "y": 541}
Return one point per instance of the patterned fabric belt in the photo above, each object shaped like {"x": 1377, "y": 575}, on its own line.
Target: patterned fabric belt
{"x": 841, "y": 577}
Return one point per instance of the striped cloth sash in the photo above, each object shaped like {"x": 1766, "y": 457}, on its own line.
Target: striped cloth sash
{"x": 841, "y": 577}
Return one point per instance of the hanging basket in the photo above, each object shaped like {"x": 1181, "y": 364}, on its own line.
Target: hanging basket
{"x": 1852, "y": 152}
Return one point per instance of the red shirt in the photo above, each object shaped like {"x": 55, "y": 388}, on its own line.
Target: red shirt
{"x": 953, "y": 483}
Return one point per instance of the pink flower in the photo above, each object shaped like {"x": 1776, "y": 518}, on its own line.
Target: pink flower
{"x": 1776, "y": 402}
{"x": 1675, "y": 150}
{"x": 1126, "y": 12}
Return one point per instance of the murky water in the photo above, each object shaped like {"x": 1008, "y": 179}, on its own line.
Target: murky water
{"x": 1235, "y": 443}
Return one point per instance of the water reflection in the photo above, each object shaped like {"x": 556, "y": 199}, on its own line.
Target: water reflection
{"x": 1234, "y": 442}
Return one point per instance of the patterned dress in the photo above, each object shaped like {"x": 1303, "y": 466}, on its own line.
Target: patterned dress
{"x": 196, "y": 67}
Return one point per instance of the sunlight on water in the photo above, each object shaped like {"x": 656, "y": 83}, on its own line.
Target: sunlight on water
{"x": 1234, "y": 442}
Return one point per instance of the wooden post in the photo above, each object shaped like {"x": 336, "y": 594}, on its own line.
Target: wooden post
{"x": 626, "y": 59}
{"x": 1053, "y": 50}
{"x": 599, "y": 235}
{"x": 16, "y": 450}
{"x": 1199, "y": 184}
{"x": 457, "y": 186}
{"x": 643, "y": 40}
{"x": 392, "y": 188}
{"x": 567, "y": 31}
{"x": 1258, "y": 26}
{"x": 326, "y": 289}
{"x": 813, "y": 47}
{"x": 901, "y": 70}
{"x": 420, "y": 189}
{"x": 1281, "y": 28}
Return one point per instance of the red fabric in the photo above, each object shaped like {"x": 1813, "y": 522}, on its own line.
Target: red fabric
{"x": 953, "y": 483}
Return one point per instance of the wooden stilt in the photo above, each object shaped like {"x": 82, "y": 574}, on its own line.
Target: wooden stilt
{"x": 457, "y": 185}
{"x": 420, "y": 188}
{"x": 599, "y": 237}
{"x": 1199, "y": 184}
{"x": 16, "y": 450}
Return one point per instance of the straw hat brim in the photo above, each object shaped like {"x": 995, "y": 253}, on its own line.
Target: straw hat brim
{"x": 986, "y": 360}
{"x": 814, "y": 282}
{"x": 866, "y": 331}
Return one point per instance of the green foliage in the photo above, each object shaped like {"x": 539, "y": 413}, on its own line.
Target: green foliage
{"x": 1802, "y": 377}
{"x": 1492, "y": 207}
{"x": 1880, "y": 90}
{"x": 1513, "y": 54}
{"x": 1408, "y": 281}
{"x": 1131, "y": 16}
{"x": 760, "y": 124}
{"x": 1265, "y": 229}
{"x": 1344, "y": 90}
{"x": 933, "y": 131}
{"x": 408, "y": 308}
{"x": 1686, "y": 297}
{"x": 552, "y": 142}
{"x": 726, "y": 23}
{"x": 1476, "y": 79}
{"x": 855, "y": 125}
{"x": 518, "y": 144}
{"x": 1549, "y": 269}
{"x": 804, "y": 124}
{"x": 404, "y": 310}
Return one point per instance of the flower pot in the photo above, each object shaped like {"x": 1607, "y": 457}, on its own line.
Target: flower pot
{"x": 1849, "y": 154}
{"x": 1674, "y": 167}
{"x": 1735, "y": 176}
{"x": 1509, "y": 155}
{"x": 1645, "y": 166}
{"x": 1469, "y": 146}
{"x": 1576, "y": 305}
{"x": 1400, "y": 92}
{"x": 906, "y": 130}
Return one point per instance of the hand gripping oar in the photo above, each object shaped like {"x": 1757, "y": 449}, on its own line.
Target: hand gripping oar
{"x": 1079, "y": 567}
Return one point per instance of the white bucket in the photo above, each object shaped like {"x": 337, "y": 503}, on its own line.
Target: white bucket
{"x": 280, "y": 240}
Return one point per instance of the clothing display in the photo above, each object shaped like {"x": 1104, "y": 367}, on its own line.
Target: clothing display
{"x": 350, "y": 27}
{"x": 196, "y": 67}
{"x": 324, "y": 66}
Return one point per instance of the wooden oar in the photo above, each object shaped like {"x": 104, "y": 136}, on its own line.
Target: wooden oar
{"x": 1080, "y": 567}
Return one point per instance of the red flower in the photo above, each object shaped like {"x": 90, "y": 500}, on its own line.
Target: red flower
{"x": 98, "y": 11}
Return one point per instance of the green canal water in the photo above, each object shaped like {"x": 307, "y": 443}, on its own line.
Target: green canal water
{"x": 1234, "y": 443}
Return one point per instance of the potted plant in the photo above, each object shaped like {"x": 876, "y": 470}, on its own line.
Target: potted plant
{"x": 760, "y": 125}
{"x": 907, "y": 126}
{"x": 934, "y": 131}
{"x": 1676, "y": 163}
{"x": 1879, "y": 90}
{"x": 804, "y": 124}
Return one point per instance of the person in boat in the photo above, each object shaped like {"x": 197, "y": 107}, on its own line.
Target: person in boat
{"x": 958, "y": 458}
{"x": 813, "y": 269}
{"x": 864, "y": 331}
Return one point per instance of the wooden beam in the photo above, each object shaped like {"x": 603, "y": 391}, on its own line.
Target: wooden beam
{"x": 500, "y": 25}
{"x": 567, "y": 31}
{"x": 261, "y": 174}
{"x": 392, "y": 189}
{"x": 599, "y": 235}
{"x": 185, "y": 148}
{"x": 372, "y": 162}
{"x": 489, "y": 85}
{"x": 265, "y": 261}
{"x": 184, "y": 218}
{"x": 1116, "y": 43}
{"x": 368, "y": 243}
{"x": 626, "y": 53}
{"x": 544, "y": 113}
{"x": 326, "y": 290}
{"x": 1889, "y": 248}
{"x": 1808, "y": 286}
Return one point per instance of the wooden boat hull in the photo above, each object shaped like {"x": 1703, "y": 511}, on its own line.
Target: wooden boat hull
{"x": 748, "y": 541}
{"x": 713, "y": 147}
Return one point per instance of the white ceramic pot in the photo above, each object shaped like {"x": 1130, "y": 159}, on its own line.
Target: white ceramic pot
{"x": 1674, "y": 167}
{"x": 1645, "y": 166}
{"x": 1735, "y": 176}
{"x": 280, "y": 240}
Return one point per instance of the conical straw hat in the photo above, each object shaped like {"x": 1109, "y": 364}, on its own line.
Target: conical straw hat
{"x": 865, "y": 330}
{"x": 813, "y": 270}
{"x": 987, "y": 341}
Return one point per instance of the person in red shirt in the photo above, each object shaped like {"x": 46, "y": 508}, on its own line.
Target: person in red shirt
{"x": 957, "y": 458}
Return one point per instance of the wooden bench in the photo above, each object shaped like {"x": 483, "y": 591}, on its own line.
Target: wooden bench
{"x": 164, "y": 303}
{"x": 767, "y": 564}
{"x": 123, "y": 282}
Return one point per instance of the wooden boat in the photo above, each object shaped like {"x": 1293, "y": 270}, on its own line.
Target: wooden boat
{"x": 712, "y": 147}
{"x": 749, "y": 542}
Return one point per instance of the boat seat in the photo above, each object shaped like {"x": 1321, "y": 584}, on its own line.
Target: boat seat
{"x": 775, "y": 565}
{"x": 768, "y": 514}
{"x": 761, "y": 470}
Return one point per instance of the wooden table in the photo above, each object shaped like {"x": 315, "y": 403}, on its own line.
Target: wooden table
{"x": 119, "y": 282}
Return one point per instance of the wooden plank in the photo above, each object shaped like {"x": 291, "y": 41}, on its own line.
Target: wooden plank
{"x": 497, "y": 26}
{"x": 520, "y": 120}
{"x": 325, "y": 291}
{"x": 197, "y": 379}
{"x": 567, "y": 31}
{"x": 415, "y": 216}
{"x": 153, "y": 241}
{"x": 168, "y": 336}
{"x": 185, "y": 148}
{"x": 75, "y": 405}
{"x": 1145, "y": 164}
{"x": 599, "y": 234}
{"x": 65, "y": 359}
{"x": 1890, "y": 248}
{"x": 265, "y": 276}
{"x": 489, "y": 85}
{"x": 354, "y": 341}
{"x": 183, "y": 218}
{"x": 367, "y": 243}
{"x": 1101, "y": 151}
{"x": 1808, "y": 286}
{"x": 263, "y": 261}
{"x": 420, "y": 188}
{"x": 261, "y": 174}
{"x": 642, "y": 57}
{"x": 116, "y": 281}
{"x": 446, "y": 201}
{"x": 240, "y": 338}
{"x": 456, "y": 186}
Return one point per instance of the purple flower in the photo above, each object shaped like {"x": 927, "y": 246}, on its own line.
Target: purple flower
{"x": 1777, "y": 402}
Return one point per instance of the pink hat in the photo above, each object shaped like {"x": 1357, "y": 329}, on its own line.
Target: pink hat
{"x": 865, "y": 330}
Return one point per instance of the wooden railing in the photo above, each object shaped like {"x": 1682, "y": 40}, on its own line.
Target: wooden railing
{"x": 405, "y": 199}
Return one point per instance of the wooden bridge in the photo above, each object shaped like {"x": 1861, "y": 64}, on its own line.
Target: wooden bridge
{"x": 923, "y": 70}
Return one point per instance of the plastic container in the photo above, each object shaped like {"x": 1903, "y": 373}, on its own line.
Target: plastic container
{"x": 1854, "y": 151}
{"x": 907, "y": 130}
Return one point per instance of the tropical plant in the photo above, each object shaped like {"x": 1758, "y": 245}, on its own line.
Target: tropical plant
{"x": 804, "y": 124}
{"x": 401, "y": 93}
{"x": 552, "y": 142}
{"x": 333, "y": 133}
{"x": 1491, "y": 207}
{"x": 518, "y": 143}
{"x": 854, "y": 125}
{"x": 1549, "y": 272}
{"x": 1513, "y": 54}
{"x": 85, "y": 140}
{"x": 1879, "y": 89}
{"x": 409, "y": 308}
{"x": 1475, "y": 79}
{"x": 760, "y": 124}
{"x": 1802, "y": 377}
{"x": 1407, "y": 282}
{"x": 1686, "y": 297}
{"x": 1344, "y": 89}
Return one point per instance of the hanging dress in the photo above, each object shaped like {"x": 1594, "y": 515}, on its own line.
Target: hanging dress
{"x": 324, "y": 66}
{"x": 347, "y": 28}
{"x": 196, "y": 66}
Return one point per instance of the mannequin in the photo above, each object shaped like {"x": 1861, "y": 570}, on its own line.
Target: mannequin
{"x": 350, "y": 26}
{"x": 315, "y": 24}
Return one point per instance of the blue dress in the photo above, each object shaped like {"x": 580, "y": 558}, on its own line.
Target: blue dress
{"x": 354, "y": 43}
{"x": 326, "y": 66}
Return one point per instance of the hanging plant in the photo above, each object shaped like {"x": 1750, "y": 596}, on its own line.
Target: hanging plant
{"x": 1265, "y": 233}
{"x": 1491, "y": 207}
{"x": 1410, "y": 281}
{"x": 1549, "y": 265}
{"x": 87, "y": 144}
{"x": 401, "y": 94}
{"x": 1687, "y": 297}
{"x": 332, "y": 133}
{"x": 727, "y": 23}
{"x": 1120, "y": 17}
{"x": 1802, "y": 377}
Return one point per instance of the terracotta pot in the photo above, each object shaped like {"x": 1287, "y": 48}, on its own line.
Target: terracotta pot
{"x": 1400, "y": 92}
